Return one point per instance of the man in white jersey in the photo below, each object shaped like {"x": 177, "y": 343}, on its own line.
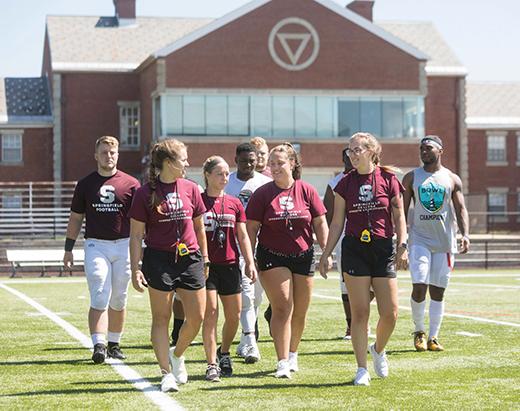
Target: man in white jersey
{"x": 103, "y": 199}
{"x": 242, "y": 184}
{"x": 438, "y": 208}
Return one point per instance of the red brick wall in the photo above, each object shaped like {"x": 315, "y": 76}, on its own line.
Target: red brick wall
{"x": 90, "y": 110}
{"x": 36, "y": 155}
{"x": 441, "y": 117}
{"x": 237, "y": 55}
{"x": 482, "y": 176}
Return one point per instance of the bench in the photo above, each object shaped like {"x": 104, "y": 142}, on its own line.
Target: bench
{"x": 42, "y": 258}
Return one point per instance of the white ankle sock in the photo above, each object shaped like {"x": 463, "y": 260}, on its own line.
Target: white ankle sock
{"x": 418, "y": 314}
{"x": 114, "y": 337}
{"x": 436, "y": 314}
{"x": 98, "y": 338}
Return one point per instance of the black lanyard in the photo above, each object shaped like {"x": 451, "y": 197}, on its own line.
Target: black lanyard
{"x": 288, "y": 222}
{"x": 177, "y": 207}
{"x": 218, "y": 231}
{"x": 374, "y": 194}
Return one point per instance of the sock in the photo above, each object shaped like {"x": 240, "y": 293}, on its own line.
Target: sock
{"x": 177, "y": 324}
{"x": 249, "y": 338}
{"x": 436, "y": 314}
{"x": 349, "y": 322}
{"x": 114, "y": 337}
{"x": 98, "y": 338}
{"x": 418, "y": 314}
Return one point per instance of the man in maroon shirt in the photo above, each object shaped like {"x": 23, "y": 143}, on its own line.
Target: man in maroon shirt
{"x": 103, "y": 198}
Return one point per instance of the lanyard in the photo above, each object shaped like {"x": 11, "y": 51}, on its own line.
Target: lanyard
{"x": 172, "y": 208}
{"x": 288, "y": 222}
{"x": 219, "y": 231}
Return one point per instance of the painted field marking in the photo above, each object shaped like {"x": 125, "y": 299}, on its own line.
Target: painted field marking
{"x": 466, "y": 317}
{"x": 162, "y": 400}
{"x": 468, "y": 334}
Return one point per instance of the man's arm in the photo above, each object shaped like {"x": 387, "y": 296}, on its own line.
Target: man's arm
{"x": 408, "y": 192}
{"x": 73, "y": 230}
{"x": 328, "y": 202}
{"x": 461, "y": 211}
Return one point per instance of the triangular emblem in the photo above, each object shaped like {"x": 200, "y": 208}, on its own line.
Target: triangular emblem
{"x": 303, "y": 38}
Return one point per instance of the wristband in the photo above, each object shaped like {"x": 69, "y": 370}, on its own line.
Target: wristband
{"x": 69, "y": 244}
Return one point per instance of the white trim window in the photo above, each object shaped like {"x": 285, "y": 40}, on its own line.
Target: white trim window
{"x": 497, "y": 205}
{"x": 129, "y": 127}
{"x": 496, "y": 148}
{"x": 12, "y": 147}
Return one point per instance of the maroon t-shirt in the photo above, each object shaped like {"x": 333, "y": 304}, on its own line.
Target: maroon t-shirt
{"x": 172, "y": 220}
{"x": 105, "y": 201}
{"x": 220, "y": 222}
{"x": 363, "y": 201}
{"x": 279, "y": 210}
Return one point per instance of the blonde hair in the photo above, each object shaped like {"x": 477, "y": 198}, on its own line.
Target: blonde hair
{"x": 292, "y": 155}
{"x": 168, "y": 149}
{"x": 209, "y": 165}
{"x": 258, "y": 142}
{"x": 374, "y": 146}
{"x": 111, "y": 141}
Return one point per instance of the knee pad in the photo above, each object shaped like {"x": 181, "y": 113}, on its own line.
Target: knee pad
{"x": 99, "y": 300}
{"x": 248, "y": 300}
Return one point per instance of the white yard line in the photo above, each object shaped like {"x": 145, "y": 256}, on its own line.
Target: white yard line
{"x": 468, "y": 334}
{"x": 162, "y": 400}
{"x": 466, "y": 317}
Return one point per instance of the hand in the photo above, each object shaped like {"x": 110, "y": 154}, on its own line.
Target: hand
{"x": 401, "y": 260}
{"x": 325, "y": 264}
{"x": 464, "y": 244}
{"x": 68, "y": 259}
{"x": 138, "y": 281}
{"x": 251, "y": 272}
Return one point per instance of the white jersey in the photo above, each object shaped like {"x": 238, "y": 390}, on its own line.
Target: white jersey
{"x": 433, "y": 224}
{"x": 336, "y": 179}
{"x": 243, "y": 190}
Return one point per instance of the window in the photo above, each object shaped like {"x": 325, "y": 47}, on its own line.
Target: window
{"x": 496, "y": 148}
{"x": 11, "y": 200}
{"x": 288, "y": 116}
{"x": 129, "y": 124}
{"x": 497, "y": 206}
{"x": 12, "y": 147}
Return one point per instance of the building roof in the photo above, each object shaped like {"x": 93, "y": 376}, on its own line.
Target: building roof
{"x": 493, "y": 105}
{"x": 24, "y": 101}
{"x": 425, "y": 37}
{"x": 78, "y": 45}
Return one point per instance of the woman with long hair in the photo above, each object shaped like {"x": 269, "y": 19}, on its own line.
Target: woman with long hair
{"x": 370, "y": 197}
{"x": 169, "y": 209}
{"x": 225, "y": 223}
{"x": 284, "y": 214}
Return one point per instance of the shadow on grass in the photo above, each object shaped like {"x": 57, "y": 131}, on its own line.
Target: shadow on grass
{"x": 46, "y": 362}
{"x": 283, "y": 384}
{"x": 76, "y": 391}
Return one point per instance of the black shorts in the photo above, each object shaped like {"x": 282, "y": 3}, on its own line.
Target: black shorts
{"x": 164, "y": 274}
{"x": 373, "y": 259}
{"x": 226, "y": 279}
{"x": 302, "y": 264}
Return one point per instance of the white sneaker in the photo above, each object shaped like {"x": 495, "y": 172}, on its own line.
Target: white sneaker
{"x": 283, "y": 369}
{"x": 168, "y": 383}
{"x": 293, "y": 362}
{"x": 251, "y": 353}
{"x": 178, "y": 367}
{"x": 362, "y": 377}
{"x": 380, "y": 362}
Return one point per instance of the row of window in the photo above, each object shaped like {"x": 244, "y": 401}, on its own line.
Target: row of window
{"x": 497, "y": 148}
{"x": 289, "y": 116}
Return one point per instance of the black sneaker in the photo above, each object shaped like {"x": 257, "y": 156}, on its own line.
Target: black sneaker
{"x": 114, "y": 351}
{"x": 267, "y": 315}
{"x": 100, "y": 353}
{"x": 226, "y": 365}
{"x": 212, "y": 373}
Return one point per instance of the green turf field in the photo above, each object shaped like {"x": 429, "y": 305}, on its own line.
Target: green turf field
{"x": 43, "y": 367}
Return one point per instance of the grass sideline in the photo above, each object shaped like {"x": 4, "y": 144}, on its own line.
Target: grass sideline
{"x": 42, "y": 367}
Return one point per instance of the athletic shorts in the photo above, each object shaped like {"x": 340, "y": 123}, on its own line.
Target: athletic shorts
{"x": 303, "y": 264}
{"x": 226, "y": 279}
{"x": 430, "y": 268}
{"x": 373, "y": 259}
{"x": 164, "y": 274}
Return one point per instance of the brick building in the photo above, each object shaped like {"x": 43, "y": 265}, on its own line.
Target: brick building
{"x": 308, "y": 71}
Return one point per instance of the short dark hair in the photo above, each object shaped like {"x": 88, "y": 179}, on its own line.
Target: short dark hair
{"x": 245, "y": 148}
{"x": 432, "y": 138}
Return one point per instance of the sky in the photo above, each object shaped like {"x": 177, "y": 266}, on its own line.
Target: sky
{"x": 484, "y": 34}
